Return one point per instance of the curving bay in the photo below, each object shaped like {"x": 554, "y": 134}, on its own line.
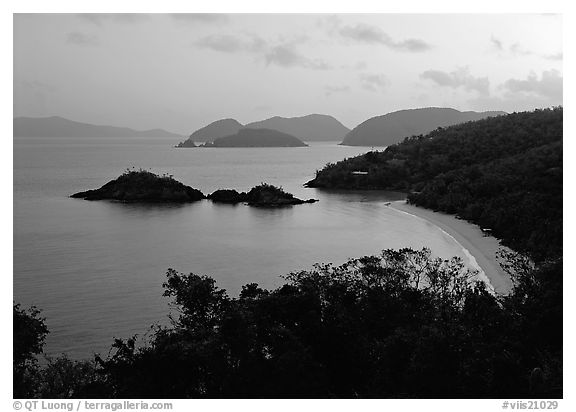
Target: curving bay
{"x": 96, "y": 268}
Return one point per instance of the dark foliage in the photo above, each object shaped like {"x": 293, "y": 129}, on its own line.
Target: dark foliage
{"x": 256, "y": 138}
{"x": 263, "y": 195}
{"x": 270, "y": 196}
{"x": 503, "y": 173}
{"x": 393, "y": 127}
{"x": 227, "y": 196}
{"x": 29, "y": 332}
{"x": 401, "y": 324}
{"x": 143, "y": 186}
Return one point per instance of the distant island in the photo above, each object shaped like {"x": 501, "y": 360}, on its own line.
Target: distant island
{"x": 377, "y": 131}
{"x": 393, "y": 127}
{"x": 263, "y": 195}
{"x": 60, "y": 127}
{"x": 310, "y": 128}
{"x": 215, "y": 130}
{"x": 143, "y": 186}
{"x": 256, "y": 138}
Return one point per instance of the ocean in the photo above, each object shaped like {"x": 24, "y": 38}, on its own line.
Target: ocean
{"x": 96, "y": 268}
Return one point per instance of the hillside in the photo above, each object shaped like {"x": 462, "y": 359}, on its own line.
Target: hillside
{"x": 311, "y": 128}
{"x": 503, "y": 173}
{"x": 59, "y": 127}
{"x": 214, "y": 130}
{"x": 393, "y": 127}
{"x": 257, "y": 138}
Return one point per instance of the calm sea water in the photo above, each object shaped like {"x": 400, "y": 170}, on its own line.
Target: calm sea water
{"x": 96, "y": 268}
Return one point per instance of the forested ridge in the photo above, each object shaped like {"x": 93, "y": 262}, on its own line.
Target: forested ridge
{"x": 503, "y": 173}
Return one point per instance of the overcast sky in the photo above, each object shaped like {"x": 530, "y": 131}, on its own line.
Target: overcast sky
{"x": 181, "y": 72}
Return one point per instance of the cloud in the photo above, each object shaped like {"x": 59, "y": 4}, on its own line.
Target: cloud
{"x": 100, "y": 18}
{"x": 524, "y": 94}
{"x": 374, "y": 82}
{"x": 549, "y": 85}
{"x": 460, "y": 78}
{"x": 411, "y": 45}
{"x": 283, "y": 54}
{"x": 517, "y": 50}
{"x": 364, "y": 33}
{"x": 556, "y": 56}
{"x": 367, "y": 34}
{"x": 82, "y": 39}
{"x": 200, "y": 17}
{"x": 231, "y": 44}
{"x": 496, "y": 43}
{"x": 330, "y": 90}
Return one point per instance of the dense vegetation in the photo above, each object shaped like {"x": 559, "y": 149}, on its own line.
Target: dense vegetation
{"x": 401, "y": 324}
{"x": 393, "y": 127}
{"x": 143, "y": 186}
{"x": 257, "y": 138}
{"x": 503, "y": 173}
{"x": 263, "y": 195}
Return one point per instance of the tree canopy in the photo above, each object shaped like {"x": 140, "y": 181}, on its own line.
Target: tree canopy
{"x": 503, "y": 173}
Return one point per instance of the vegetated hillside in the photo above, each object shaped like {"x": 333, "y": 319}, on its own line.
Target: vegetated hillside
{"x": 214, "y": 130}
{"x": 503, "y": 173}
{"x": 396, "y": 325}
{"x": 393, "y": 127}
{"x": 310, "y": 128}
{"x": 257, "y": 138}
{"x": 60, "y": 127}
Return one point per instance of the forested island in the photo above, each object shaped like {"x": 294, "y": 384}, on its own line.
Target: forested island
{"x": 311, "y": 128}
{"x": 395, "y": 325}
{"x": 263, "y": 195}
{"x": 392, "y": 128}
{"x": 502, "y": 173}
{"x": 215, "y": 130}
{"x": 143, "y": 186}
{"x": 257, "y": 138}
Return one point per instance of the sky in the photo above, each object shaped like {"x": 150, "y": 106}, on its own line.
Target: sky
{"x": 180, "y": 72}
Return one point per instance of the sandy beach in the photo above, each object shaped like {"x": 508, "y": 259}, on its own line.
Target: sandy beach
{"x": 481, "y": 248}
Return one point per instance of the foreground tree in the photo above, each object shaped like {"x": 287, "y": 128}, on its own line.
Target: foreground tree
{"x": 29, "y": 332}
{"x": 400, "y": 324}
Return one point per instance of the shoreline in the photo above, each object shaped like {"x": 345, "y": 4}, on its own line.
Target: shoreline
{"x": 480, "y": 249}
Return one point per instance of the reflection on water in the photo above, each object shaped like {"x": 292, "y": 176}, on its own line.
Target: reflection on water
{"x": 96, "y": 268}
{"x": 362, "y": 195}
